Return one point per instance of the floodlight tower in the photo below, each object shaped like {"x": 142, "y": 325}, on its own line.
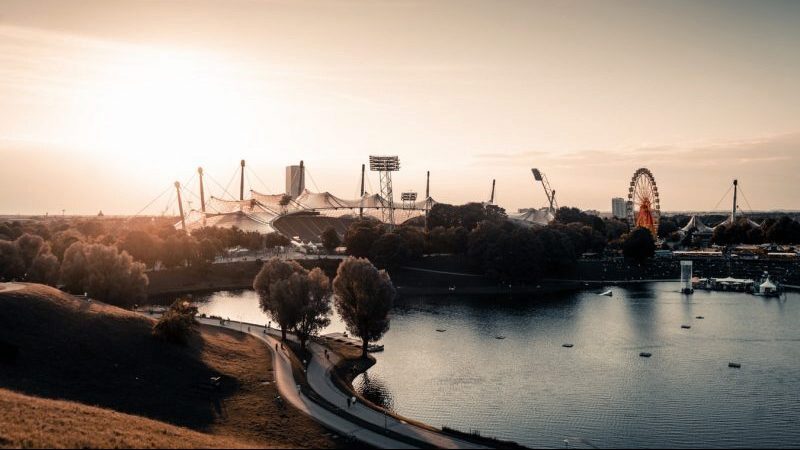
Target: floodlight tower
{"x": 550, "y": 193}
{"x": 409, "y": 199}
{"x": 385, "y": 165}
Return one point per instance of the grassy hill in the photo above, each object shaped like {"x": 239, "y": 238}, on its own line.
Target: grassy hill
{"x": 56, "y": 346}
{"x": 35, "y": 422}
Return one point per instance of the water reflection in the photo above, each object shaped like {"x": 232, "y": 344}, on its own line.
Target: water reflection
{"x": 374, "y": 390}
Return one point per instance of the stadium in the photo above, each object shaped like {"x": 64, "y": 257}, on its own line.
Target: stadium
{"x": 300, "y": 214}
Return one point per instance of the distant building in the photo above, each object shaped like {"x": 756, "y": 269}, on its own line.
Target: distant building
{"x": 618, "y": 208}
{"x": 295, "y": 181}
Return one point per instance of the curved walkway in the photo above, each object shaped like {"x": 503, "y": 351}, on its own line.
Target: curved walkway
{"x": 319, "y": 378}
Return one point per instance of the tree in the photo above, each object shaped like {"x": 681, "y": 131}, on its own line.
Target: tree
{"x": 360, "y": 236}
{"x": 44, "y": 268}
{"x": 74, "y": 268}
{"x": 330, "y": 239}
{"x": 62, "y": 240}
{"x": 282, "y": 311}
{"x": 363, "y": 296}
{"x": 389, "y": 250}
{"x": 312, "y": 294}
{"x": 639, "y": 245}
{"x": 782, "y": 231}
{"x": 29, "y": 246}
{"x": 104, "y": 273}
{"x": 12, "y": 266}
{"x": 142, "y": 246}
{"x": 275, "y": 239}
{"x": 666, "y": 227}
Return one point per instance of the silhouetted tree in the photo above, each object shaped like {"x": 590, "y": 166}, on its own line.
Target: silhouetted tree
{"x": 783, "y": 231}
{"x": 275, "y": 239}
{"x": 389, "y": 251}
{"x": 330, "y": 239}
{"x": 44, "y": 268}
{"x": 12, "y": 266}
{"x": 142, "y": 246}
{"x": 104, "y": 273}
{"x": 361, "y": 235}
{"x": 639, "y": 245}
{"x": 314, "y": 302}
{"x": 363, "y": 296}
{"x": 282, "y": 310}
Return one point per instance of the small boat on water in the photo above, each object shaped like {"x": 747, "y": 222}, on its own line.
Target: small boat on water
{"x": 375, "y": 348}
{"x": 645, "y": 354}
{"x": 566, "y": 345}
{"x": 699, "y": 317}
{"x": 686, "y": 327}
{"x": 499, "y": 337}
{"x": 607, "y": 293}
{"x": 440, "y": 330}
{"x": 734, "y": 365}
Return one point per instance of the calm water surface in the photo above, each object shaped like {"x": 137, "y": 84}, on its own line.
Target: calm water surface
{"x": 600, "y": 393}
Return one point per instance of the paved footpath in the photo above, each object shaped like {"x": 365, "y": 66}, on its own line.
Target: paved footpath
{"x": 319, "y": 378}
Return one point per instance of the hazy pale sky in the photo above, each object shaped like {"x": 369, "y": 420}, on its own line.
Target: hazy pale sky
{"x": 103, "y": 104}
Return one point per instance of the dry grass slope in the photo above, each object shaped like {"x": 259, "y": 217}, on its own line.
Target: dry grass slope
{"x": 96, "y": 354}
{"x": 40, "y": 423}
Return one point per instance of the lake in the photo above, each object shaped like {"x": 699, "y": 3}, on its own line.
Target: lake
{"x": 528, "y": 388}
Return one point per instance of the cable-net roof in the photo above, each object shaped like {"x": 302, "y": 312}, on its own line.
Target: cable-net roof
{"x": 258, "y": 222}
{"x": 539, "y": 217}
{"x": 729, "y": 220}
{"x": 697, "y": 226}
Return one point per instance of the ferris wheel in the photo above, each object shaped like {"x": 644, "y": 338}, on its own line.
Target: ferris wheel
{"x": 643, "y": 207}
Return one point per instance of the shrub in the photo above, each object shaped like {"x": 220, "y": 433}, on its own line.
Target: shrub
{"x": 178, "y": 323}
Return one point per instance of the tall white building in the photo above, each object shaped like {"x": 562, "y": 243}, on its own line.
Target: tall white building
{"x": 618, "y": 208}
{"x": 295, "y": 181}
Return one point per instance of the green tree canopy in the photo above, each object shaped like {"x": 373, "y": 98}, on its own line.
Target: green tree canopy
{"x": 363, "y": 296}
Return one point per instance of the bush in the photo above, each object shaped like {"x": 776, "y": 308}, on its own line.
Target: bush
{"x": 178, "y": 323}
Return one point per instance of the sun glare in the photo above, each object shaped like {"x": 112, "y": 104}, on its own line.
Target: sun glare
{"x": 168, "y": 103}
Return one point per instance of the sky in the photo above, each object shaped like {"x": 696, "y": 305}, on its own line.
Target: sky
{"x": 104, "y": 104}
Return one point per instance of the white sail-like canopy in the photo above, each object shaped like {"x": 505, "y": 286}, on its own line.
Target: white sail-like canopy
{"x": 729, "y": 220}
{"x": 696, "y": 225}
{"x": 533, "y": 217}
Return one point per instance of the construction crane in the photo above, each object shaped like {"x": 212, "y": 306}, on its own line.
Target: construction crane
{"x": 539, "y": 176}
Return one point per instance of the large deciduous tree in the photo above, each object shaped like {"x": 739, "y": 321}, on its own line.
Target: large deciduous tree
{"x": 282, "y": 311}
{"x": 104, "y": 273}
{"x": 309, "y": 294}
{"x": 363, "y": 296}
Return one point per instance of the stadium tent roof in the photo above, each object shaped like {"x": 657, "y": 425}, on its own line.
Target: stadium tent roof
{"x": 259, "y": 212}
{"x": 697, "y": 226}
{"x": 273, "y": 201}
{"x": 260, "y": 223}
{"x": 250, "y": 206}
{"x": 729, "y": 220}
{"x": 538, "y": 217}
